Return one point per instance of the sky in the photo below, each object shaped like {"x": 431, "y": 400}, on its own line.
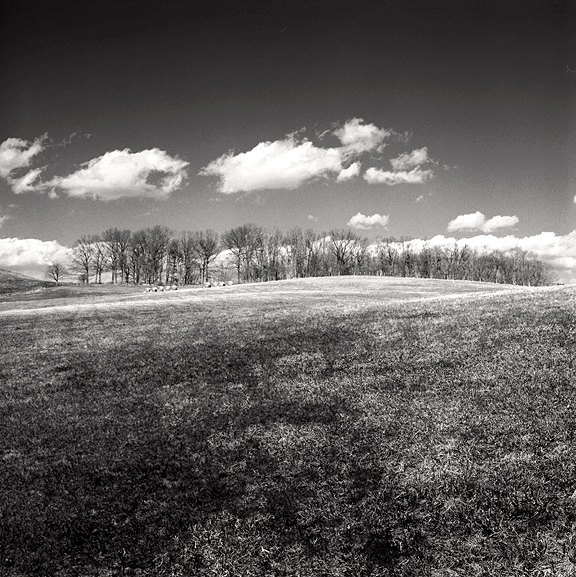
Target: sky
{"x": 429, "y": 120}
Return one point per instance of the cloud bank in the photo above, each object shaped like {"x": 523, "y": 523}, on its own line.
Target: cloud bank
{"x": 293, "y": 161}
{"x": 477, "y": 221}
{"x": 362, "y": 221}
{"x": 31, "y": 256}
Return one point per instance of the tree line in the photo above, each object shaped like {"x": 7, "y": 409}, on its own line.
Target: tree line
{"x": 249, "y": 253}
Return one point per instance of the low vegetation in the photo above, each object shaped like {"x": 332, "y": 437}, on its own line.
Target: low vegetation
{"x": 320, "y": 427}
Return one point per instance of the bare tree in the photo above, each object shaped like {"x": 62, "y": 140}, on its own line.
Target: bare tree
{"x": 149, "y": 248}
{"x": 243, "y": 242}
{"x": 206, "y": 248}
{"x": 55, "y": 271}
{"x": 100, "y": 258}
{"x": 189, "y": 262}
{"x": 343, "y": 244}
{"x": 83, "y": 257}
{"x": 116, "y": 244}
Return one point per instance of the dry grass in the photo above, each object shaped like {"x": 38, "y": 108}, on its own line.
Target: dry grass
{"x": 353, "y": 426}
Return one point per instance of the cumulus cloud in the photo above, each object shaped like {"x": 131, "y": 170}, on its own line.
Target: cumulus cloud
{"x": 357, "y": 137}
{"x": 362, "y": 221}
{"x": 414, "y": 176}
{"x": 284, "y": 163}
{"x": 116, "y": 174}
{"x": 30, "y": 255}
{"x": 410, "y": 160}
{"x": 477, "y": 221}
{"x": 349, "y": 173}
{"x": 17, "y": 153}
{"x": 312, "y": 218}
{"x": 291, "y": 162}
{"x": 122, "y": 173}
{"x": 3, "y": 219}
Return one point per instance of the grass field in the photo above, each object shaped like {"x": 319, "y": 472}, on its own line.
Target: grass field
{"x": 322, "y": 427}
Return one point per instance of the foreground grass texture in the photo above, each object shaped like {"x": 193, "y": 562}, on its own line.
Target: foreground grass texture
{"x": 250, "y": 432}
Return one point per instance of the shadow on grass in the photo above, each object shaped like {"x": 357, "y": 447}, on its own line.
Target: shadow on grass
{"x": 136, "y": 445}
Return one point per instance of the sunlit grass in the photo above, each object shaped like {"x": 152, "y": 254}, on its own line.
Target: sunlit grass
{"x": 321, "y": 427}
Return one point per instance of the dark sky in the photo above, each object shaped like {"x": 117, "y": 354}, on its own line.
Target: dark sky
{"x": 488, "y": 88}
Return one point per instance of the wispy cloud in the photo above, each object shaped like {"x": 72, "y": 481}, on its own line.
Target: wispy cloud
{"x": 312, "y": 218}
{"x": 415, "y": 176}
{"x": 3, "y": 219}
{"x": 410, "y": 160}
{"x": 17, "y": 153}
{"x": 30, "y": 182}
{"x": 362, "y": 221}
{"x": 477, "y": 221}
{"x": 357, "y": 137}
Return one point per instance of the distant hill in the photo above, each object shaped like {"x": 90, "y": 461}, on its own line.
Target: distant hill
{"x": 11, "y": 282}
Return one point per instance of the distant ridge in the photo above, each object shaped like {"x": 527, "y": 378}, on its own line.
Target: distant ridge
{"x": 15, "y": 282}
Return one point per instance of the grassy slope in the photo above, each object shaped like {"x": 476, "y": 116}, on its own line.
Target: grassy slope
{"x": 317, "y": 427}
{"x": 11, "y": 282}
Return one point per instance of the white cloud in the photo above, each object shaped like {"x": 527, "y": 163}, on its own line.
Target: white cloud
{"x": 415, "y": 176}
{"x": 349, "y": 173}
{"x": 116, "y": 174}
{"x": 30, "y": 255}
{"x": 420, "y": 198}
{"x": 122, "y": 173}
{"x": 411, "y": 160}
{"x": 575, "y": 199}
{"x": 357, "y": 137}
{"x": 3, "y": 219}
{"x": 312, "y": 218}
{"x": 362, "y": 221}
{"x": 17, "y": 153}
{"x": 293, "y": 161}
{"x": 284, "y": 163}
{"x": 30, "y": 182}
{"x": 467, "y": 221}
{"x": 497, "y": 222}
{"x": 477, "y": 221}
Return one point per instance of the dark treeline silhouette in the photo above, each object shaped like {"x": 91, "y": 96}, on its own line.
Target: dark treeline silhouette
{"x": 249, "y": 253}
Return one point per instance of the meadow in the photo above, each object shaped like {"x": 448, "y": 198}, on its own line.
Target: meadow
{"x": 351, "y": 427}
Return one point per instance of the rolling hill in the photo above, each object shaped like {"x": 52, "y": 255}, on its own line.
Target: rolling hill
{"x": 13, "y": 282}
